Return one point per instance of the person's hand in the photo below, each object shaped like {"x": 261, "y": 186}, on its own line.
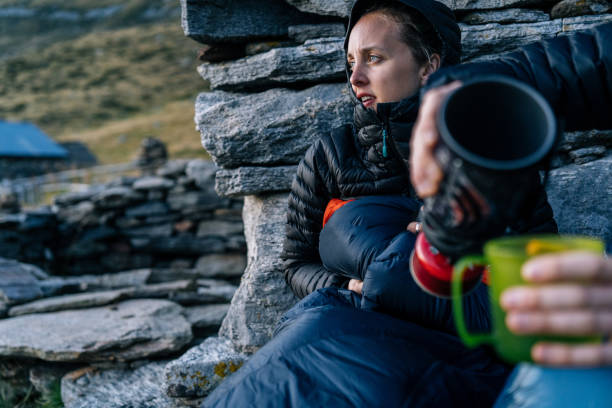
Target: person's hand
{"x": 355, "y": 285}
{"x": 425, "y": 173}
{"x": 414, "y": 227}
{"x": 573, "y": 297}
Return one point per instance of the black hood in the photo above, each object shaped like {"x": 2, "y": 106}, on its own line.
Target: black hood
{"x": 439, "y": 16}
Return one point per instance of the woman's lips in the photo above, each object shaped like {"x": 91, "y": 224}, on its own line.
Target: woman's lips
{"x": 368, "y": 101}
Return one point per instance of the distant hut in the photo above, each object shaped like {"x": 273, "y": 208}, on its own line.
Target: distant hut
{"x": 27, "y": 151}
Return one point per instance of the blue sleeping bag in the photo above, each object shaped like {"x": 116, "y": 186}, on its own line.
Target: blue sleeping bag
{"x": 328, "y": 353}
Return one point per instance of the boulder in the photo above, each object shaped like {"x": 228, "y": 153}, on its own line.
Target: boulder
{"x": 263, "y": 296}
{"x": 272, "y": 127}
{"x": 578, "y": 207}
{"x": 138, "y": 386}
{"x": 126, "y": 331}
{"x": 254, "y": 180}
{"x": 320, "y": 60}
{"x": 239, "y": 21}
{"x": 202, "y": 368}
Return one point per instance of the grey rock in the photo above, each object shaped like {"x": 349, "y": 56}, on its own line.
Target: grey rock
{"x": 78, "y": 301}
{"x": 572, "y": 8}
{"x": 160, "y": 275}
{"x": 202, "y": 368}
{"x": 236, "y": 21}
{"x": 272, "y": 127}
{"x": 72, "y": 198}
{"x": 496, "y": 38}
{"x": 127, "y": 331}
{"x": 179, "y": 245}
{"x": 219, "y": 228}
{"x": 18, "y": 282}
{"x": 221, "y": 266}
{"x": 172, "y": 168}
{"x": 263, "y": 295}
{"x": 215, "y": 294}
{"x": 116, "y": 197}
{"x": 254, "y": 180}
{"x": 578, "y": 140}
{"x": 578, "y": 207}
{"x": 160, "y": 230}
{"x": 301, "y": 33}
{"x": 163, "y": 290}
{"x": 202, "y": 172}
{"x": 265, "y": 46}
{"x": 147, "y": 209}
{"x": 78, "y": 213}
{"x": 138, "y": 387}
{"x": 339, "y": 8}
{"x": 490, "y": 4}
{"x": 587, "y": 154}
{"x": 199, "y": 199}
{"x": 206, "y": 316}
{"x": 153, "y": 183}
{"x": 316, "y": 61}
{"x": 119, "y": 279}
{"x": 509, "y": 16}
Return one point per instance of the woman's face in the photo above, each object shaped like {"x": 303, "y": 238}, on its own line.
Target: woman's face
{"x": 383, "y": 68}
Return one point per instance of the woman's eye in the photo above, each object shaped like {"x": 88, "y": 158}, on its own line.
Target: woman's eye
{"x": 373, "y": 58}
{"x": 350, "y": 64}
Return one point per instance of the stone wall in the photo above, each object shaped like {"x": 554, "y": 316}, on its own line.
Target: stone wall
{"x": 267, "y": 107}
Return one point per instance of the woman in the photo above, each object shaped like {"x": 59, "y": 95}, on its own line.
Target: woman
{"x": 392, "y": 48}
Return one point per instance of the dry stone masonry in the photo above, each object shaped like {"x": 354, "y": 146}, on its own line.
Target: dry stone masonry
{"x": 268, "y": 105}
{"x": 150, "y": 264}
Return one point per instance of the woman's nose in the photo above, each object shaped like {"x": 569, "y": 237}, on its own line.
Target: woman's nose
{"x": 358, "y": 77}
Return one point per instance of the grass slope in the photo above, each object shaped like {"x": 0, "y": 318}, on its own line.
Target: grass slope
{"x": 108, "y": 86}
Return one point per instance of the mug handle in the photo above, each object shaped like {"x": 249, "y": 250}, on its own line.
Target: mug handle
{"x": 469, "y": 339}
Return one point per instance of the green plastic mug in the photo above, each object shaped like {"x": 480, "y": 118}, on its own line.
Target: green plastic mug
{"x": 504, "y": 258}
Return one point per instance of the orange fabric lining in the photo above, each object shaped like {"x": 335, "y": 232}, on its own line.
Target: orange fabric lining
{"x": 333, "y": 205}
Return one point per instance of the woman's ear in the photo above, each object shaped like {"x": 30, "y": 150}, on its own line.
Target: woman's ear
{"x": 429, "y": 68}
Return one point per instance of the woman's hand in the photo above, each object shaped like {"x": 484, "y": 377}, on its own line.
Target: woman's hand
{"x": 355, "y": 285}
{"x": 425, "y": 173}
{"x": 573, "y": 297}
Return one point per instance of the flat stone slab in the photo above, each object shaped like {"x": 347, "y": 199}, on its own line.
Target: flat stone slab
{"x": 19, "y": 282}
{"x": 251, "y": 180}
{"x": 202, "y": 368}
{"x": 207, "y": 316}
{"x": 490, "y": 4}
{"x": 153, "y": 183}
{"x": 340, "y": 8}
{"x": 224, "y": 266}
{"x": 496, "y": 38}
{"x": 242, "y": 130}
{"x": 122, "y": 388}
{"x": 79, "y": 301}
{"x": 580, "y": 208}
{"x": 320, "y": 60}
{"x": 509, "y": 16}
{"x": 239, "y": 21}
{"x": 301, "y": 33}
{"x": 126, "y": 331}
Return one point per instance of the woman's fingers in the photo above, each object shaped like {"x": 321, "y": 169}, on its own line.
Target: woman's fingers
{"x": 556, "y": 297}
{"x": 571, "y": 322}
{"x": 570, "y": 266}
{"x": 414, "y": 227}
{"x": 425, "y": 172}
{"x": 566, "y": 355}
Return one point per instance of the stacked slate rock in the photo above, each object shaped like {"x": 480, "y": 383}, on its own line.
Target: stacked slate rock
{"x": 283, "y": 85}
{"x": 150, "y": 265}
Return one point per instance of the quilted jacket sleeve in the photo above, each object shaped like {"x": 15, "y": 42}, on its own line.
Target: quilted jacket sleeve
{"x": 573, "y": 72}
{"x": 311, "y": 190}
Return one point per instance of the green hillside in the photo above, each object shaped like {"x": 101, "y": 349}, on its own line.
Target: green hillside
{"x": 119, "y": 81}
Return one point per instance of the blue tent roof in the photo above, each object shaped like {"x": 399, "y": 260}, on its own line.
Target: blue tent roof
{"x": 21, "y": 139}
